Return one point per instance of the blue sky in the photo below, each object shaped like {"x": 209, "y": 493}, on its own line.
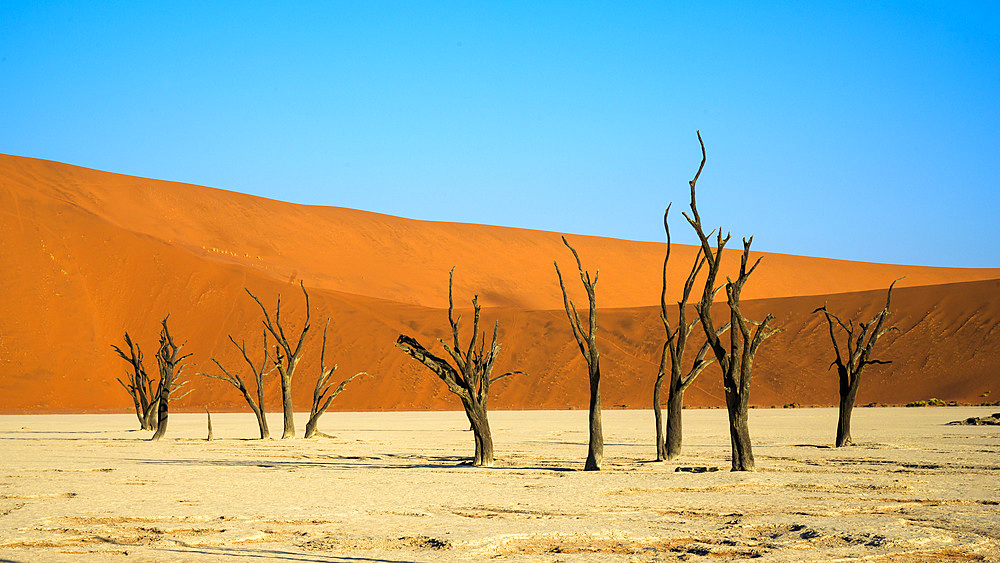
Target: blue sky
{"x": 855, "y": 130}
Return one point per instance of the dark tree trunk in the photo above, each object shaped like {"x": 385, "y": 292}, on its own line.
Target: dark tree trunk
{"x": 258, "y": 412}
{"x": 149, "y": 418}
{"x": 484, "y": 439}
{"x": 661, "y": 446}
{"x": 152, "y": 415}
{"x": 286, "y": 404}
{"x": 672, "y": 443}
{"x": 265, "y": 433}
{"x": 739, "y": 431}
{"x": 595, "y": 452}
{"x": 149, "y": 407}
{"x": 138, "y": 412}
{"x": 848, "y": 393}
{"x": 161, "y": 414}
{"x": 311, "y": 427}
{"x": 211, "y": 435}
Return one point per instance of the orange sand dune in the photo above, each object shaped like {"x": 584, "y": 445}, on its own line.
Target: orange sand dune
{"x": 86, "y": 255}
{"x": 405, "y": 260}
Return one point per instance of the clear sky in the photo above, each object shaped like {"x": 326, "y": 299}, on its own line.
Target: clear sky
{"x": 856, "y": 130}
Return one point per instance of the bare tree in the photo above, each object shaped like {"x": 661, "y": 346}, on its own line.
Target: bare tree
{"x": 473, "y": 376}
{"x": 234, "y": 378}
{"x": 140, "y": 387}
{"x": 588, "y": 347}
{"x": 668, "y": 445}
{"x": 171, "y": 365}
{"x": 736, "y": 360}
{"x": 285, "y": 358}
{"x": 322, "y": 397}
{"x": 859, "y": 354}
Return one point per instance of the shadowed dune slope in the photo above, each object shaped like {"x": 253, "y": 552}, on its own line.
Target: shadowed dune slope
{"x": 86, "y": 255}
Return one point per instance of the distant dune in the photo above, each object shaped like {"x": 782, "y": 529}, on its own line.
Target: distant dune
{"x": 86, "y": 255}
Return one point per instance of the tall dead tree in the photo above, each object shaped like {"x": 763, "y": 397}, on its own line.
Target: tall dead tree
{"x": 858, "y": 355}
{"x": 259, "y": 372}
{"x": 668, "y": 444}
{"x": 588, "y": 347}
{"x": 285, "y": 357}
{"x": 322, "y": 396}
{"x": 472, "y": 376}
{"x": 140, "y": 386}
{"x": 736, "y": 360}
{"x": 170, "y": 362}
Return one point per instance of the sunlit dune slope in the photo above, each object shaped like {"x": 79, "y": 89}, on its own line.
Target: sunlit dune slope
{"x": 86, "y": 255}
{"x": 404, "y": 260}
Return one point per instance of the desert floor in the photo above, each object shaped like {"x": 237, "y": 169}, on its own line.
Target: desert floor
{"x": 392, "y": 487}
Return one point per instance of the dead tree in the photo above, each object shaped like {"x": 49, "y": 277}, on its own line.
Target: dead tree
{"x": 171, "y": 366}
{"x": 668, "y": 445}
{"x": 736, "y": 360}
{"x": 285, "y": 358}
{"x": 234, "y": 379}
{"x": 322, "y": 397}
{"x": 588, "y": 347}
{"x": 140, "y": 387}
{"x": 859, "y": 354}
{"x": 472, "y": 377}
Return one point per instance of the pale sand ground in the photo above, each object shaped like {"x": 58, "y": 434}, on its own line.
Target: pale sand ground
{"x": 389, "y": 487}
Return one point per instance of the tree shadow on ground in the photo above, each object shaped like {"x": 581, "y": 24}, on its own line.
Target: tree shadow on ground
{"x": 278, "y": 555}
{"x": 384, "y": 461}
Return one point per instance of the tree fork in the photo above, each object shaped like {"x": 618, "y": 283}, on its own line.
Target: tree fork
{"x": 170, "y": 362}
{"x": 471, "y": 378}
{"x": 668, "y": 444}
{"x": 322, "y": 396}
{"x": 234, "y": 379}
{"x": 851, "y": 364}
{"x": 587, "y": 342}
{"x": 140, "y": 387}
{"x": 736, "y": 360}
{"x": 285, "y": 358}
